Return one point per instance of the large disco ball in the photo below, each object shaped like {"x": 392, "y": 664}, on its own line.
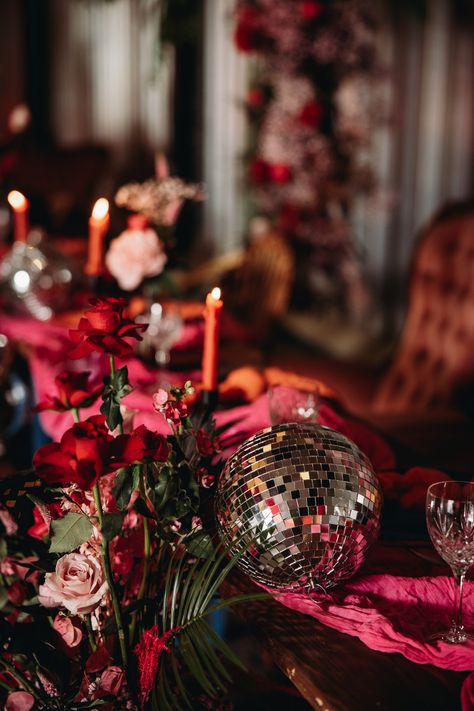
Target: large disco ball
{"x": 304, "y": 501}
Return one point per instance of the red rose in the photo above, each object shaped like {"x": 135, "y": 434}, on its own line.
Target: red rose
{"x": 310, "y": 10}
{"x": 206, "y": 445}
{"x": 81, "y": 457}
{"x": 42, "y": 520}
{"x": 279, "y": 173}
{"x": 259, "y": 171}
{"x": 72, "y": 391}
{"x": 311, "y": 114}
{"x": 141, "y": 444}
{"x": 103, "y": 328}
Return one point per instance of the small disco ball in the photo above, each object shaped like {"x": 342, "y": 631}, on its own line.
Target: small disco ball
{"x": 305, "y": 503}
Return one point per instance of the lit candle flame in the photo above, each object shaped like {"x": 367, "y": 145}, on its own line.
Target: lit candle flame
{"x": 100, "y": 209}
{"x": 216, "y": 293}
{"x": 16, "y": 200}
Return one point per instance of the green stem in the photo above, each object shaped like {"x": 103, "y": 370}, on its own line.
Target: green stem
{"x": 75, "y": 414}
{"x": 112, "y": 377}
{"x": 90, "y": 632}
{"x": 110, "y": 580}
{"x": 146, "y": 556}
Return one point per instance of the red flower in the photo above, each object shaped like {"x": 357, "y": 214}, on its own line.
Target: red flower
{"x": 173, "y": 410}
{"x": 279, "y": 173}
{"x": 255, "y": 98}
{"x": 247, "y": 33}
{"x": 149, "y": 651}
{"x": 72, "y": 391}
{"x": 206, "y": 444}
{"x": 204, "y": 478}
{"x": 103, "y": 328}
{"x": 310, "y": 10}
{"x": 81, "y": 457}
{"x": 311, "y": 114}
{"x": 259, "y": 171}
{"x": 141, "y": 444}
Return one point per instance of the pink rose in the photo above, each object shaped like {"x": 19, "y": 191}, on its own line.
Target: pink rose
{"x": 70, "y": 633}
{"x": 111, "y": 680}
{"x": 77, "y": 584}
{"x": 134, "y": 255}
{"x": 19, "y": 701}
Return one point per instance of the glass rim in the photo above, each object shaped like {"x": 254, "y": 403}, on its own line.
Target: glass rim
{"x": 443, "y": 483}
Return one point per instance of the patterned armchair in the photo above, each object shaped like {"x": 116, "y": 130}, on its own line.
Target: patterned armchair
{"x": 435, "y": 355}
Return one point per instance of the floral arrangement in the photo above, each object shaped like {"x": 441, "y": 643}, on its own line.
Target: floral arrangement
{"x": 139, "y": 253}
{"x": 312, "y": 112}
{"x": 107, "y": 581}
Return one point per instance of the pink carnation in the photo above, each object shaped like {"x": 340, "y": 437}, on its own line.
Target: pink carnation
{"x": 134, "y": 255}
{"x": 77, "y": 584}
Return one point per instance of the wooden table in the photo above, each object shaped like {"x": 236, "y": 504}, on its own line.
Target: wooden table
{"x": 336, "y": 672}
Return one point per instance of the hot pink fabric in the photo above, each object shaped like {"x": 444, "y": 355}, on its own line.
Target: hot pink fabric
{"x": 395, "y": 614}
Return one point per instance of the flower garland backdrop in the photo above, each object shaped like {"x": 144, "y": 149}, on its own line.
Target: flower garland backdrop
{"x": 312, "y": 111}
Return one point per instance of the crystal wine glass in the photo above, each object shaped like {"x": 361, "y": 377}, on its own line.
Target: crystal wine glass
{"x": 450, "y": 522}
{"x": 291, "y": 405}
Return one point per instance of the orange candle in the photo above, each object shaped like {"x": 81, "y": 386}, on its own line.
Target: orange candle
{"x": 20, "y": 206}
{"x": 212, "y": 314}
{"x": 99, "y": 222}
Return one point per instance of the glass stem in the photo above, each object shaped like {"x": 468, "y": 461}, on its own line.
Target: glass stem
{"x": 459, "y": 577}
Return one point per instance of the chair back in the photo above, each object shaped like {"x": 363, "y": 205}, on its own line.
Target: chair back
{"x": 260, "y": 288}
{"x": 436, "y": 351}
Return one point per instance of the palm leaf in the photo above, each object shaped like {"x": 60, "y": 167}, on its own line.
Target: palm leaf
{"x": 197, "y": 652}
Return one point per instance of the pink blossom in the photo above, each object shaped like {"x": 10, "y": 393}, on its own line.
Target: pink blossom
{"x": 70, "y": 633}
{"x": 175, "y": 525}
{"x": 19, "y": 701}
{"x": 160, "y": 398}
{"x": 8, "y": 522}
{"x": 77, "y": 584}
{"x": 134, "y": 255}
{"x": 111, "y": 680}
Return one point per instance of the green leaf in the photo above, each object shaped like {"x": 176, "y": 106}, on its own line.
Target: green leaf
{"x": 141, "y": 507}
{"x": 200, "y": 545}
{"x": 115, "y": 388}
{"x": 112, "y": 525}
{"x": 69, "y": 533}
{"x": 123, "y": 487}
{"x": 3, "y": 597}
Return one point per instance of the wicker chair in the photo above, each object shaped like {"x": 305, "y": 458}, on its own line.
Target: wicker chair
{"x": 258, "y": 291}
